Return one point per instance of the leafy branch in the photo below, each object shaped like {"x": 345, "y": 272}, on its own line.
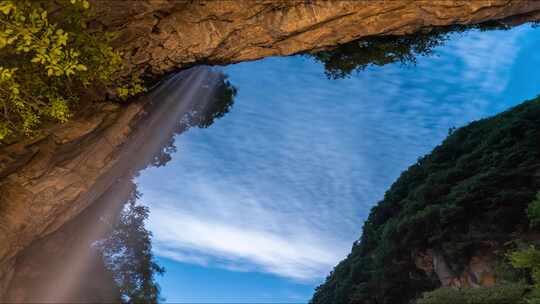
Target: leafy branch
{"x": 47, "y": 60}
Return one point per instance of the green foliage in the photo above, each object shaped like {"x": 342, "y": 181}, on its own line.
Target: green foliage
{"x": 134, "y": 87}
{"x": 127, "y": 253}
{"x": 204, "y": 115}
{"x": 474, "y": 187}
{"x": 357, "y": 55}
{"x": 501, "y": 294}
{"x": 379, "y": 50}
{"x": 201, "y": 115}
{"x": 48, "y": 57}
{"x": 533, "y": 212}
{"x": 529, "y": 258}
{"x": 504, "y": 271}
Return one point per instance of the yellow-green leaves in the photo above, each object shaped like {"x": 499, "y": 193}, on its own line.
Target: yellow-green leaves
{"x": 83, "y": 3}
{"x": 4, "y": 129}
{"x": 47, "y": 60}
{"x": 6, "y": 74}
{"x": 58, "y": 108}
{"x": 529, "y": 258}
{"x": 122, "y": 92}
{"x": 6, "y": 38}
{"x": 6, "y": 7}
{"x": 533, "y": 212}
{"x": 134, "y": 87}
{"x": 9, "y": 87}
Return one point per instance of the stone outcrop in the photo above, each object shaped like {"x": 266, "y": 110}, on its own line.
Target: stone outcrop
{"x": 159, "y": 36}
{"x": 67, "y": 266}
{"x": 75, "y": 164}
{"x": 476, "y": 273}
{"x": 48, "y": 180}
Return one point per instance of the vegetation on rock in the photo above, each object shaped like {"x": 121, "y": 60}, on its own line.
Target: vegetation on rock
{"x": 48, "y": 57}
{"x": 127, "y": 252}
{"x": 357, "y": 55}
{"x": 474, "y": 187}
{"x": 519, "y": 285}
{"x": 499, "y": 294}
{"x": 528, "y": 258}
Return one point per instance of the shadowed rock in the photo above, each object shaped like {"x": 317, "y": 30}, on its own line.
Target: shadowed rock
{"x": 163, "y": 35}
{"x": 48, "y": 180}
{"x": 68, "y": 173}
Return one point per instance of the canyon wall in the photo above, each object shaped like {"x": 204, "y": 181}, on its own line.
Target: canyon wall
{"x": 48, "y": 180}
{"x": 159, "y": 36}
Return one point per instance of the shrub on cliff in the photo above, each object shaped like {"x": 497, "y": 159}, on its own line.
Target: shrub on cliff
{"x": 515, "y": 290}
{"x": 500, "y": 294}
{"x": 48, "y": 56}
{"x": 528, "y": 258}
{"x": 474, "y": 187}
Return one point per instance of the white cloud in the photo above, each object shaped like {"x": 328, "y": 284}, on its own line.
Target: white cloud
{"x": 488, "y": 56}
{"x": 201, "y": 240}
{"x": 282, "y": 184}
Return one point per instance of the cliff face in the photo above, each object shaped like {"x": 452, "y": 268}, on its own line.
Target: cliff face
{"x": 477, "y": 270}
{"x": 162, "y": 35}
{"x": 46, "y": 181}
{"x": 51, "y": 179}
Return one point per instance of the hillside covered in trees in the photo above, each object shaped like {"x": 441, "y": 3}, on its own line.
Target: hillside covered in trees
{"x": 469, "y": 195}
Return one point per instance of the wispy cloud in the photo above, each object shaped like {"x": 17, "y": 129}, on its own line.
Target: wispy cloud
{"x": 488, "y": 56}
{"x": 282, "y": 184}
{"x": 188, "y": 238}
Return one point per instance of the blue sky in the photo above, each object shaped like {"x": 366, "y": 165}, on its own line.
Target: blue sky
{"x": 260, "y": 206}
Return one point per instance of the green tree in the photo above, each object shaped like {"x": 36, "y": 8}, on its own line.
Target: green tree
{"x": 529, "y": 258}
{"x": 48, "y": 57}
{"x": 201, "y": 115}
{"x": 355, "y": 56}
{"x": 475, "y": 186}
{"x": 500, "y": 294}
{"x": 533, "y": 212}
{"x": 127, "y": 253}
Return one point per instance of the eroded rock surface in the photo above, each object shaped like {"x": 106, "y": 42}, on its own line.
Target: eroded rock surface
{"x": 476, "y": 273}
{"x": 46, "y": 181}
{"x": 74, "y": 166}
{"x": 162, "y": 35}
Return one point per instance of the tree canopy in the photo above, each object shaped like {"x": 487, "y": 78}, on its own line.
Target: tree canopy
{"x": 474, "y": 187}
{"x": 127, "y": 253}
{"x": 355, "y": 56}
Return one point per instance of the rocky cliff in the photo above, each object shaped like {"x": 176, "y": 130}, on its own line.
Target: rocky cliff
{"x": 159, "y": 36}
{"x": 47, "y": 180}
